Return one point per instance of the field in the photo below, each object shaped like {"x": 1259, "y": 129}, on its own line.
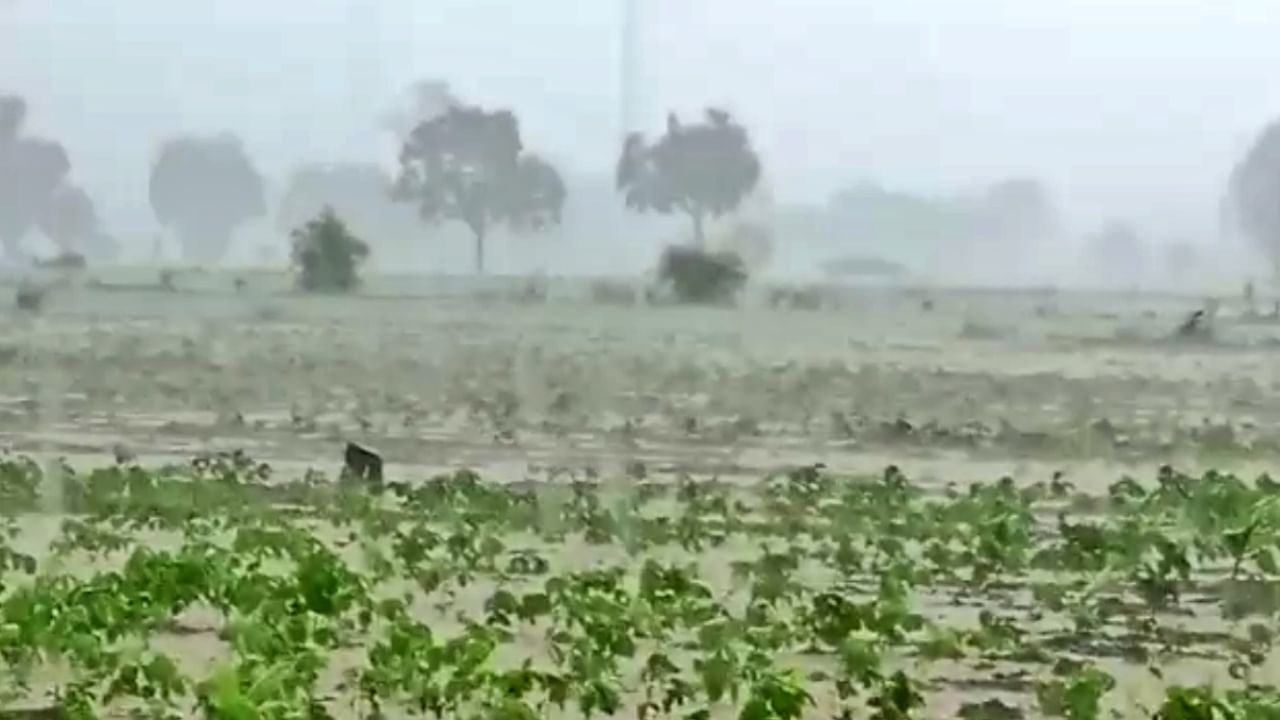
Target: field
{"x": 896, "y": 504}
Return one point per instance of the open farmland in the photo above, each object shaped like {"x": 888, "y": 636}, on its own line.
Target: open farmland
{"x": 901, "y": 504}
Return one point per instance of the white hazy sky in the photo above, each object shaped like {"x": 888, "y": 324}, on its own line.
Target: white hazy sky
{"x": 1125, "y": 107}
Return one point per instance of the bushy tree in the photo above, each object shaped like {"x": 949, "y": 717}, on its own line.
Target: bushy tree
{"x": 203, "y": 188}
{"x": 31, "y": 170}
{"x": 470, "y": 165}
{"x": 1253, "y": 193}
{"x": 699, "y": 276}
{"x": 702, "y": 170}
{"x": 326, "y": 254}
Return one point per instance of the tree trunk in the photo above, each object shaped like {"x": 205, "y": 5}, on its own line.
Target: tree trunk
{"x": 480, "y": 252}
{"x": 699, "y": 234}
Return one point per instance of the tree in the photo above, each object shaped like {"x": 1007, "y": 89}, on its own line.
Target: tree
{"x": 422, "y": 101}
{"x": 203, "y": 188}
{"x": 69, "y": 219}
{"x": 702, "y": 170}
{"x": 31, "y": 169}
{"x": 1252, "y": 201}
{"x": 1014, "y": 214}
{"x": 698, "y": 276}
{"x": 1118, "y": 254}
{"x": 327, "y": 255}
{"x": 360, "y": 193}
{"x": 470, "y": 165}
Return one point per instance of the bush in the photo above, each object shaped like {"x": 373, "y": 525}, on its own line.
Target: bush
{"x": 698, "y": 276}
{"x": 327, "y": 255}
{"x": 613, "y": 292}
{"x": 30, "y": 296}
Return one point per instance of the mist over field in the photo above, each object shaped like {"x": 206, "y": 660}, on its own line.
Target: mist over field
{"x": 653, "y": 359}
{"x": 879, "y": 125}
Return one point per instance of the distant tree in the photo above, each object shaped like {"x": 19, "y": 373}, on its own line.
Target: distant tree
{"x": 203, "y": 188}
{"x": 1018, "y": 209}
{"x": 881, "y": 218}
{"x": 327, "y": 255}
{"x": 702, "y": 170}
{"x": 1118, "y": 254}
{"x": 69, "y": 219}
{"x": 31, "y": 169}
{"x": 470, "y": 165}
{"x": 360, "y": 193}
{"x": 1252, "y": 201}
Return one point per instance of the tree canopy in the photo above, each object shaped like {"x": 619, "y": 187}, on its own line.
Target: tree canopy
{"x": 202, "y": 188}
{"x": 702, "y": 170}
{"x": 31, "y": 170}
{"x": 422, "y": 101}
{"x": 469, "y": 165}
{"x": 327, "y": 255}
{"x": 1253, "y": 193}
{"x": 69, "y": 219}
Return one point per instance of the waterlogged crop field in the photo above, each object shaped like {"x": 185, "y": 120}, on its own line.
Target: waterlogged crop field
{"x": 897, "y": 505}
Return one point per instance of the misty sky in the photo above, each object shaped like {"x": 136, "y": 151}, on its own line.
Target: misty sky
{"x": 1126, "y": 107}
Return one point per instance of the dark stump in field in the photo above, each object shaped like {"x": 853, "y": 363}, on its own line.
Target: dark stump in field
{"x": 30, "y": 297}
{"x": 1197, "y": 326}
{"x": 362, "y": 464}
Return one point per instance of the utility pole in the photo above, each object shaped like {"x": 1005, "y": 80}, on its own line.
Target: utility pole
{"x": 364, "y": 69}
{"x": 628, "y": 76}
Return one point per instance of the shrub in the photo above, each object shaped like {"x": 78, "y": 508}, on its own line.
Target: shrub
{"x": 613, "y": 292}
{"x": 327, "y": 255}
{"x": 698, "y": 276}
{"x": 66, "y": 260}
{"x": 30, "y": 296}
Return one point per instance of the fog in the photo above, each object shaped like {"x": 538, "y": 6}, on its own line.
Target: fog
{"x": 1124, "y": 109}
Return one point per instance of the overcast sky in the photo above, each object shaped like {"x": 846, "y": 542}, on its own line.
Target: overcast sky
{"x": 1125, "y": 107}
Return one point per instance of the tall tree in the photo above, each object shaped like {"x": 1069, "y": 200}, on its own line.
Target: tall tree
{"x": 203, "y": 188}
{"x": 470, "y": 165}
{"x": 702, "y": 170}
{"x": 31, "y": 169}
{"x": 1253, "y": 194}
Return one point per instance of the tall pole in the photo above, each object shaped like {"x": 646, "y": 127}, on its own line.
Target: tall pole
{"x": 629, "y": 68}
{"x": 364, "y": 71}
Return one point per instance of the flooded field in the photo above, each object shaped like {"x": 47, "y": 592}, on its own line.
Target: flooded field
{"x": 675, "y": 511}
{"x": 446, "y": 379}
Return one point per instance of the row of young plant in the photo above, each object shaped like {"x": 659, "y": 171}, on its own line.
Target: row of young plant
{"x": 335, "y": 595}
